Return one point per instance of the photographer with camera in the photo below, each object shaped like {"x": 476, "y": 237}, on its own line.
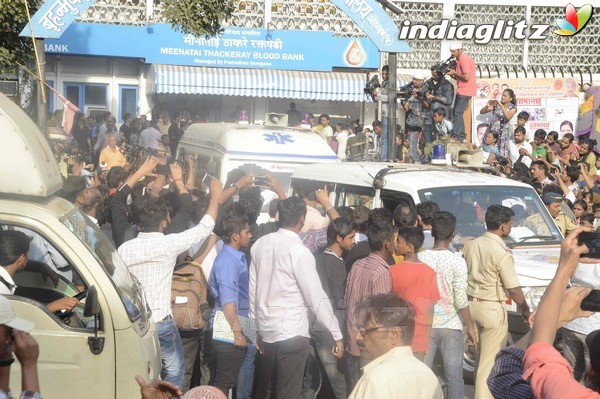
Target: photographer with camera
{"x": 415, "y": 105}
{"x": 439, "y": 94}
{"x": 382, "y": 94}
{"x": 464, "y": 73}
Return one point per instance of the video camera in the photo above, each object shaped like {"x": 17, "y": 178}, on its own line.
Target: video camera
{"x": 406, "y": 91}
{"x": 372, "y": 85}
{"x": 132, "y": 153}
{"x": 443, "y": 67}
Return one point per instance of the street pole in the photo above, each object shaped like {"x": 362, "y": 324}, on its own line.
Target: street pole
{"x": 392, "y": 108}
{"x": 41, "y": 95}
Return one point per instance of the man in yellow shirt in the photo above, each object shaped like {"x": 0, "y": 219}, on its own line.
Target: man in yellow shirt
{"x": 111, "y": 155}
{"x": 385, "y": 326}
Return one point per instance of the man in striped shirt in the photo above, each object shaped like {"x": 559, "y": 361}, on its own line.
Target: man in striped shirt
{"x": 369, "y": 276}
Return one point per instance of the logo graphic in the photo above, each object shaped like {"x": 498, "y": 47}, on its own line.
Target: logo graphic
{"x": 278, "y": 138}
{"x": 575, "y": 20}
{"x": 355, "y": 55}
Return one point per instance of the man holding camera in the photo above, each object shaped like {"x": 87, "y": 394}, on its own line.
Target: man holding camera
{"x": 440, "y": 94}
{"x": 466, "y": 87}
{"x": 415, "y": 106}
{"x": 382, "y": 95}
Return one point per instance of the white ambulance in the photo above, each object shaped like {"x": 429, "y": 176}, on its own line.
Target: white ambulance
{"x": 220, "y": 148}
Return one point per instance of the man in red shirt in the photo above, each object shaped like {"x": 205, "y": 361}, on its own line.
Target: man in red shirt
{"x": 465, "y": 88}
{"x": 417, "y": 283}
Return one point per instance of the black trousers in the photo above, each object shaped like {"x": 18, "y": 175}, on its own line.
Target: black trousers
{"x": 281, "y": 368}
{"x": 225, "y": 365}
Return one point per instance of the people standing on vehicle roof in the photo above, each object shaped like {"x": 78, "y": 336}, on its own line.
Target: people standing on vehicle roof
{"x": 465, "y": 76}
{"x": 294, "y": 116}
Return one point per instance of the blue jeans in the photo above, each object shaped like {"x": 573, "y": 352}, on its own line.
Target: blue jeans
{"x": 245, "y": 381}
{"x": 383, "y": 155}
{"x": 171, "y": 351}
{"x": 460, "y": 105}
{"x": 330, "y": 365}
{"x": 450, "y": 343}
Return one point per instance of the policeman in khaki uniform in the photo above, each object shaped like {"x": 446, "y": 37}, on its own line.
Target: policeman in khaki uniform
{"x": 491, "y": 272}
{"x": 553, "y": 202}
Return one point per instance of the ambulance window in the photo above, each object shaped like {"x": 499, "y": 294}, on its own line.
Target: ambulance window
{"x": 204, "y": 165}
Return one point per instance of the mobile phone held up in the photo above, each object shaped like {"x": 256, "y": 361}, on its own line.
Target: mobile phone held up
{"x": 206, "y": 180}
{"x": 591, "y": 303}
{"x": 261, "y": 181}
{"x": 592, "y": 241}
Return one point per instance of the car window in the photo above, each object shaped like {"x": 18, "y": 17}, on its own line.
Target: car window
{"x": 98, "y": 244}
{"x": 354, "y": 196}
{"x": 532, "y": 223}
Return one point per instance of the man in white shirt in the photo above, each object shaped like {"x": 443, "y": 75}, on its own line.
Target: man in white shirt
{"x": 151, "y": 257}
{"x": 385, "y": 328}
{"x": 452, "y": 310}
{"x": 341, "y": 135}
{"x": 518, "y": 143}
{"x": 284, "y": 285}
{"x": 150, "y": 137}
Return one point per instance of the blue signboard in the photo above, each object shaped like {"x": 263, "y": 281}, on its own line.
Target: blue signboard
{"x": 55, "y": 16}
{"x": 235, "y": 48}
{"x": 376, "y": 24}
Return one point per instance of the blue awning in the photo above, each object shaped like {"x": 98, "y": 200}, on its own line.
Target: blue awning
{"x": 337, "y": 86}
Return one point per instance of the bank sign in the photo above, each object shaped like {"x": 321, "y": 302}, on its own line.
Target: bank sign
{"x": 234, "y": 48}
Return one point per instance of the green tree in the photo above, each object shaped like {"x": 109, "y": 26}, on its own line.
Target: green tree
{"x": 198, "y": 17}
{"x": 13, "y": 48}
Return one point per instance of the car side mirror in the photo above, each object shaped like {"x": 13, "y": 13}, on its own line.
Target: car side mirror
{"x": 92, "y": 307}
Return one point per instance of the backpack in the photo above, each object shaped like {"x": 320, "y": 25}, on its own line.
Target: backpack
{"x": 190, "y": 292}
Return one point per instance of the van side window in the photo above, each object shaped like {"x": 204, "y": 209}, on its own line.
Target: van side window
{"x": 391, "y": 199}
{"x": 48, "y": 277}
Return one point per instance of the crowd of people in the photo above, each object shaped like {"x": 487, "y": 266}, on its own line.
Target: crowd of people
{"x": 346, "y": 302}
{"x": 334, "y": 302}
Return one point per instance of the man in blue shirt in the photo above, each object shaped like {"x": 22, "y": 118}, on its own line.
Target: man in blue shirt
{"x": 229, "y": 286}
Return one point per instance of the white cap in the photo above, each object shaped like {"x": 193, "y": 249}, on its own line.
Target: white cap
{"x": 420, "y": 75}
{"x": 456, "y": 46}
{"x": 9, "y": 318}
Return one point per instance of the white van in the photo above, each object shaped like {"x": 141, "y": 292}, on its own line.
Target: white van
{"x": 96, "y": 350}
{"x": 467, "y": 195}
{"x": 220, "y": 148}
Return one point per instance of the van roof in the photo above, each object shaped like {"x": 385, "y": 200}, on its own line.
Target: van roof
{"x": 27, "y": 164}
{"x": 268, "y": 141}
{"x": 399, "y": 176}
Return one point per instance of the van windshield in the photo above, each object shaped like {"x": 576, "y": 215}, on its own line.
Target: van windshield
{"x": 106, "y": 254}
{"x": 532, "y": 224}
